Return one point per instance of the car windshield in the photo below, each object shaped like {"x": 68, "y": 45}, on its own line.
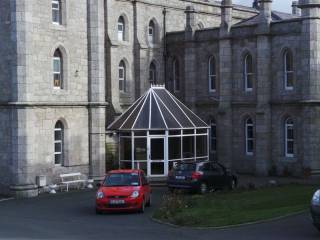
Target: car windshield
{"x": 185, "y": 167}
{"x": 121, "y": 179}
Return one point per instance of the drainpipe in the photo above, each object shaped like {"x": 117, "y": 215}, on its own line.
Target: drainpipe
{"x": 164, "y": 12}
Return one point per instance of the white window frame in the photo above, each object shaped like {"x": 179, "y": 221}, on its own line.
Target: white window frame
{"x": 121, "y": 33}
{"x": 289, "y": 126}
{"x": 246, "y": 74}
{"x": 248, "y": 139}
{"x": 212, "y": 76}
{"x": 213, "y": 124}
{"x": 151, "y": 37}
{"x": 286, "y": 72}
{"x": 122, "y": 68}
{"x": 57, "y": 10}
{"x": 57, "y": 73}
{"x": 175, "y": 77}
{"x": 60, "y": 142}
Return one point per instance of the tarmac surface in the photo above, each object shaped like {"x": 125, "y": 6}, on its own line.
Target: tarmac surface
{"x": 72, "y": 216}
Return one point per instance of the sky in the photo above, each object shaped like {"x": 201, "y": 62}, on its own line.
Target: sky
{"x": 279, "y": 5}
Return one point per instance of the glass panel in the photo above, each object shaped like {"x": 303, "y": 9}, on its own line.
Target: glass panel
{"x": 250, "y": 146}
{"x": 174, "y": 148}
{"x": 57, "y": 135}
{"x": 140, "y": 151}
{"x": 58, "y": 147}
{"x": 201, "y": 146}
{"x": 289, "y": 79}
{"x": 157, "y": 132}
{"x": 290, "y": 147}
{"x": 126, "y": 165}
{"x": 157, "y": 168}
{"x": 177, "y": 132}
{"x": 56, "y": 65}
{"x": 290, "y": 132}
{"x": 188, "y": 147}
{"x": 57, "y": 158}
{"x": 141, "y": 165}
{"x": 250, "y": 132}
{"x": 125, "y": 148}
{"x": 201, "y": 131}
{"x": 249, "y": 81}
{"x": 157, "y": 149}
{"x": 188, "y": 131}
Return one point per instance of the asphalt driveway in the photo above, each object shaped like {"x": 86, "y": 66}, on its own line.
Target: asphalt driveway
{"x": 72, "y": 216}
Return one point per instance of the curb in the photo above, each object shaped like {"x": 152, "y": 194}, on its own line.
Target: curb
{"x": 6, "y": 199}
{"x": 230, "y": 226}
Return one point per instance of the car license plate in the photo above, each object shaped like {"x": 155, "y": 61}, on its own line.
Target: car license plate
{"x": 180, "y": 177}
{"x": 115, "y": 202}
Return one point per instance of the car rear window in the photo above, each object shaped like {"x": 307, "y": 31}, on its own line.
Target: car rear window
{"x": 185, "y": 167}
{"x": 121, "y": 179}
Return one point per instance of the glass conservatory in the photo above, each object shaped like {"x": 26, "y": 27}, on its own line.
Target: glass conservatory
{"x": 158, "y": 131}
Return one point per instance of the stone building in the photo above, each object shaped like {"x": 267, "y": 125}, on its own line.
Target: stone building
{"x": 256, "y": 81}
{"x": 68, "y": 68}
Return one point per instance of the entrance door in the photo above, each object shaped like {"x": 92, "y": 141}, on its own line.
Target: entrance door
{"x": 157, "y": 164}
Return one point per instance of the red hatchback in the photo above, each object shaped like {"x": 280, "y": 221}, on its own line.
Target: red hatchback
{"x": 123, "y": 190}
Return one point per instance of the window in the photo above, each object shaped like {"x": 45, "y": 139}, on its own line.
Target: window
{"x": 152, "y": 73}
{"x": 122, "y": 76}
{"x": 288, "y": 70}
{"x": 56, "y": 12}
{"x": 57, "y": 70}
{"x": 289, "y": 138}
{"x": 248, "y": 73}
{"x": 121, "y": 29}
{"x": 58, "y": 143}
{"x": 213, "y": 136}
{"x": 151, "y": 32}
{"x": 176, "y": 75}
{"x": 249, "y": 136}
{"x": 212, "y": 74}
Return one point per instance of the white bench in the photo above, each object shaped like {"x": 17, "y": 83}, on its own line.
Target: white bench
{"x": 72, "y": 179}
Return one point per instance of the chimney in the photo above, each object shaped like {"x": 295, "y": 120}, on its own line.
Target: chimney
{"x": 226, "y": 15}
{"x": 255, "y": 4}
{"x": 265, "y": 7}
{"x": 295, "y": 9}
{"x": 190, "y": 22}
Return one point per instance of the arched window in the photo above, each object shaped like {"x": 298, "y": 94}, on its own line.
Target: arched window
{"x": 58, "y": 143}
{"x": 212, "y": 74}
{"x": 121, "y": 29}
{"x": 122, "y": 76}
{"x": 152, "y": 73}
{"x": 176, "y": 75}
{"x": 248, "y": 73}
{"x": 289, "y": 138}
{"x": 56, "y": 12}
{"x": 288, "y": 70}
{"x": 57, "y": 70}
{"x": 213, "y": 136}
{"x": 151, "y": 32}
{"x": 249, "y": 136}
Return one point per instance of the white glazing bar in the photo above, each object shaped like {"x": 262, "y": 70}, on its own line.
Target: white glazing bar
{"x": 119, "y": 150}
{"x": 208, "y": 145}
{"x": 195, "y": 144}
{"x": 132, "y": 150}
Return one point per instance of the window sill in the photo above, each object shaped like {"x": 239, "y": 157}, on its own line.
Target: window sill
{"x": 289, "y": 159}
{"x": 122, "y": 43}
{"x": 58, "y": 27}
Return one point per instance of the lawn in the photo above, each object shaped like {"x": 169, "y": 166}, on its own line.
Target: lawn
{"x": 231, "y": 208}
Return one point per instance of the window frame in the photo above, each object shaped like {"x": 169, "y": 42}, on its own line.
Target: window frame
{"x": 121, "y": 33}
{"x": 287, "y": 72}
{"x": 289, "y": 125}
{"x": 212, "y": 74}
{"x": 122, "y": 68}
{"x": 249, "y": 124}
{"x": 151, "y": 37}
{"x": 59, "y": 127}
{"x": 176, "y": 75}
{"x": 248, "y": 75}
{"x": 57, "y": 57}
{"x": 56, "y": 10}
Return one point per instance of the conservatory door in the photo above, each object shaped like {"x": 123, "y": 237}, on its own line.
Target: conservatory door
{"x": 157, "y": 164}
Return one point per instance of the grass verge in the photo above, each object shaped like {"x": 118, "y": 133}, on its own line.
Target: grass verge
{"x": 232, "y": 208}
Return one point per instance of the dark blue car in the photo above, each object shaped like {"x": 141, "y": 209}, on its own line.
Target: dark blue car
{"x": 315, "y": 209}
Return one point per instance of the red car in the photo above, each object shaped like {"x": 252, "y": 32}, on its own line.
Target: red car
{"x": 123, "y": 190}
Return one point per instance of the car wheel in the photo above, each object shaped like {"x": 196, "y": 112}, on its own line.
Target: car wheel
{"x": 143, "y": 205}
{"x": 233, "y": 184}
{"x": 150, "y": 200}
{"x": 203, "y": 188}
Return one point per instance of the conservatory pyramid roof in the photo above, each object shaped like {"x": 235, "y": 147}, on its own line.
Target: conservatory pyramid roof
{"x": 157, "y": 109}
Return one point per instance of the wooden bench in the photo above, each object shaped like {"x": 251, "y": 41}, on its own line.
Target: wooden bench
{"x": 73, "y": 179}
